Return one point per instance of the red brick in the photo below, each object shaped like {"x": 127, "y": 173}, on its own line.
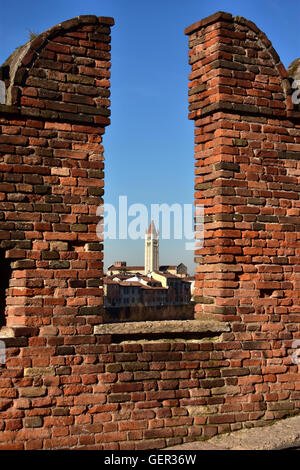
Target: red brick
{"x": 136, "y": 396}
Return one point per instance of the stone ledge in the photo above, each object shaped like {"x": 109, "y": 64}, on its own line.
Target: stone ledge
{"x": 161, "y": 327}
{"x": 18, "y": 331}
{"x": 281, "y": 435}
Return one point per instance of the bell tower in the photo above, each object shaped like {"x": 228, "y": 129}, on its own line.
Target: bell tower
{"x": 151, "y": 249}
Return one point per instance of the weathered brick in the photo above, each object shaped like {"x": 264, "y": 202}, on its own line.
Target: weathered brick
{"x": 29, "y": 392}
{"x": 33, "y": 422}
{"x": 85, "y": 391}
{"x": 38, "y": 371}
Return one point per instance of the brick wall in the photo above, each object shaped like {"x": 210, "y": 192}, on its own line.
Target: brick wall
{"x": 51, "y": 184}
{"x": 247, "y": 149}
{"x": 52, "y": 174}
{"x": 70, "y": 381}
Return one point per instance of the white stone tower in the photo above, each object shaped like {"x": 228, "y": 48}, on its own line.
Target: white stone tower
{"x": 151, "y": 249}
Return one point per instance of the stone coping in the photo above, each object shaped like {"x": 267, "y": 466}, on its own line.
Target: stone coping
{"x": 281, "y": 435}
{"x": 165, "y": 327}
{"x": 161, "y": 327}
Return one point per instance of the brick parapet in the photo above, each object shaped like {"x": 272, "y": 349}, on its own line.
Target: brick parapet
{"x": 235, "y": 69}
{"x": 68, "y": 381}
{"x": 52, "y": 173}
{"x": 247, "y": 150}
{"x": 246, "y": 147}
{"x": 111, "y": 390}
{"x": 63, "y": 73}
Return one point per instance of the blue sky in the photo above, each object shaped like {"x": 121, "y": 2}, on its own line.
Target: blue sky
{"x": 149, "y": 145}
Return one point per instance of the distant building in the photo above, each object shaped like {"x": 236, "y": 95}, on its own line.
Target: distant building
{"x": 111, "y": 292}
{"x": 191, "y": 281}
{"x": 179, "y": 270}
{"x": 151, "y": 249}
{"x": 149, "y": 285}
{"x": 179, "y": 290}
{"x": 151, "y": 259}
{"x": 166, "y": 290}
{"x": 120, "y": 267}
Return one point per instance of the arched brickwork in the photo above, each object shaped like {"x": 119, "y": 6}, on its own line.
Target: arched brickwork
{"x": 247, "y": 149}
{"x": 52, "y": 172}
{"x": 69, "y": 381}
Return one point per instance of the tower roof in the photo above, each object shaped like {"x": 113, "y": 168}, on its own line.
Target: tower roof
{"x": 152, "y": 230}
